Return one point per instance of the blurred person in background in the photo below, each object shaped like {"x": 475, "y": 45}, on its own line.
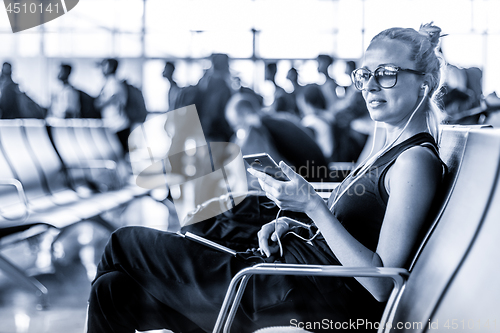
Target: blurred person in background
{"x": 174, "y": 90}
{"x": 14, "y": 103}
{"x": 243, "y": 114}
{"x": 293, "y": 76}
{"x": 65, "y": 102}
{"x": 351, "y": 122}
{"x": 270, "y": 75}
{"x": 9, "y": 106}
{"x": 212, "y": 93}
{"x": 492, "y": 110}
{"x": 329, "y": 87}
{"x": 314, "y": 107}
{"x": 281, "y": 108}
{"x": 282, "y": 101}
{"x": 112, "y": 100}
{"x": 462, "y": 91}
{"x": 247, "y": 91}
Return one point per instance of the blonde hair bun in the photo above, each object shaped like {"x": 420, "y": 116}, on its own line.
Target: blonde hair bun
{"x": 432, "y": 32}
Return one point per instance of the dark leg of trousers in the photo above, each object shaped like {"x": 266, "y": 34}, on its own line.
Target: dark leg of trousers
{"x": 148, "y": 279}
{"x": 119, "y": 305}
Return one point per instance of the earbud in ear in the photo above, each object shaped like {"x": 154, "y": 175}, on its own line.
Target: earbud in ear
{"x": 426, "y": 87}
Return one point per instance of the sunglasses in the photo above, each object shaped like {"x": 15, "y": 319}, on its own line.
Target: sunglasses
{"x": 385, "y": 76}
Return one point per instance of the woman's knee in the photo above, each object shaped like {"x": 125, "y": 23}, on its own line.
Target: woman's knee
{"x": 124, "y": 238}
{"x": 130, "y": 235}
{"x": 124, "y": 232}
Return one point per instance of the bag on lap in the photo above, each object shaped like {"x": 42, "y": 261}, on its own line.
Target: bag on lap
{"x": 237, "y": 228}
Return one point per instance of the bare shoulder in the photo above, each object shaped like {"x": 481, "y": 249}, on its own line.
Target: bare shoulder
{"x": 417, "y": 162}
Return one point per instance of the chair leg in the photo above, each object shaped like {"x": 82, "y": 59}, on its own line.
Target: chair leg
{"x": 20, "y": 277}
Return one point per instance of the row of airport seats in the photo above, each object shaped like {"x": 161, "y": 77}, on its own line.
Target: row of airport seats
{"x": 54, "y": 176}
{"x": 452, "y": 283}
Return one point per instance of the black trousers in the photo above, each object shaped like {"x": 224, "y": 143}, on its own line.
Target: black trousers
{"x": 149, "y": 279}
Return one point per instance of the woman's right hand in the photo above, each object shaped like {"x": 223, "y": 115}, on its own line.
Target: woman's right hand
{"x": 270, "y": 232}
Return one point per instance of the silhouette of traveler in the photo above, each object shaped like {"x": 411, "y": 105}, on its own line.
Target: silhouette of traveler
{"x": 329, "y": 87}
{"x": 282, "y": 101}
{"x": 213, "y": 92}
{"x": 112, "y": 100}
{"x": 13, "y": 102}
{"x": 294, "y": 96}
{"x": 174, "y": 90}
{"x": 9, "y": 106}
{"x": 66, "y": 102}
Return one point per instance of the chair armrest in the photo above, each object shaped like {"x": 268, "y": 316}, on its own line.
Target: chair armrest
{"x": 398, "y": 275}
{"x": 104, "y": 168}
{"x": 21, "y": 194}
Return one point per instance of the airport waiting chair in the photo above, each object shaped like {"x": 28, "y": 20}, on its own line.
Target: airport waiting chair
{"x": 456, "y": 233}
{"x": 23, "y": 168}
{"x": 444, "y": 260}
{"x": 64, "y": 141}
{"x": 107, "y": 147}
{"x": 35, "y": 195}
{"x": 17, "y": 222}
{"x": 88, "y": 151}
{"x": 469, "y": 300}
{"x": 58, "y": 181}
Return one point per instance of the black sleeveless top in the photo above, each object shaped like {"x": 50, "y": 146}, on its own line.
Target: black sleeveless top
{"x": 362, "y": 208}
{"x": 361, "y": 211}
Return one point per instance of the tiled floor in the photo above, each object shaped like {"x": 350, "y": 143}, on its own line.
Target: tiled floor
{"x": 68, "y": 278}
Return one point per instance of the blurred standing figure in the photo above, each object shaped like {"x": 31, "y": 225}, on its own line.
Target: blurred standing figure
{"x": 174, "y": 90}
{"x": 212, "y": 96}
{"x": 66, "y": 102}
{"x": 329, "y": 87}
{"x": 9, "y": 106}
{"x": 316, "y": 118}
{"x": 112, "y": 100}
{"x": 293, "y": 76}
{"x": 282, "y": 101}
{"x": 13, "y": 102}
{"x": 270, "y": 75}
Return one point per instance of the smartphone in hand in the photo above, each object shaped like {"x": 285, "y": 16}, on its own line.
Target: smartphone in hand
{"x": 264, "y": 163}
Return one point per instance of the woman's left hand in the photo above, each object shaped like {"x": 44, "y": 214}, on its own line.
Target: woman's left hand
{"x": 295, "y": 194}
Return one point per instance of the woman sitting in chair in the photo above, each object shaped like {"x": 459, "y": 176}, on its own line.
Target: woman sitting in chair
{"x": 148, "y": 279}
